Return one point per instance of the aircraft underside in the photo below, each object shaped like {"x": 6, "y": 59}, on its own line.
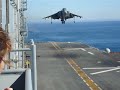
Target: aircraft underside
{"x": 63, "y": 21}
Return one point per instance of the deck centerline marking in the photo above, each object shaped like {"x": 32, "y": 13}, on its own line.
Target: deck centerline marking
{"x": 89, "y": 82}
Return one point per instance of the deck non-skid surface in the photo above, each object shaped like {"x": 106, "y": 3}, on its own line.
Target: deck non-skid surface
{"x": 75, "y": 66}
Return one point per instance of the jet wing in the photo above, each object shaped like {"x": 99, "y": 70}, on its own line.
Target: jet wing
{"x": 71, "y": 15}
{"x": 53, "y": 16}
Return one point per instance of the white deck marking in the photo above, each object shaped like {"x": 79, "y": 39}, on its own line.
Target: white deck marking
{"x": 91, "y": 53}
{"x": 98, "y": 61}
{"x": 68, "y": 42}
{"x": 105, "y": 71}
{"x": 89, "y": 82}
{"x": 117, "y": 71}
{"x": 83, "y": 49}
{"x": 75, "y": 49}
{"x": 100, "y": 68}
{"x": 72, "y": 48}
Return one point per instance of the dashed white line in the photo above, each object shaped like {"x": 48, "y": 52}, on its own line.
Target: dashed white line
{"x": 91, "y": 53}
{"x": 83, "y": 49}
{"x": 91, "y": 88}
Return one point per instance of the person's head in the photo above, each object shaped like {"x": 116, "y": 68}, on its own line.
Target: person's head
{"x": 5, "y": 46}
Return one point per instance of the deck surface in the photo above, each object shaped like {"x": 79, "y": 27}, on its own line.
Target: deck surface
{"x": 75, "y": 66}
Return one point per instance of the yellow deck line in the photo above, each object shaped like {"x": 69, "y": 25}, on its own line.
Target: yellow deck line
{"x": 89, "y": 82}
{"x": 54, "y": 45}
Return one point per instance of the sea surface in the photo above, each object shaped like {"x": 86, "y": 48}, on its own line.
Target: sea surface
{"x": 101, "y": 34}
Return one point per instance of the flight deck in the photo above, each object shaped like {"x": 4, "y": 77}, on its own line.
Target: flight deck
{"x": 75, "y": 66}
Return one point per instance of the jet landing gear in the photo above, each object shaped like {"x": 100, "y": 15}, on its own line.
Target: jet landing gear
{"x": 63, "y": 22}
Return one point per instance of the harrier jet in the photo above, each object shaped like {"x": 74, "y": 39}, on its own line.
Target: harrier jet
{"x": 63, "y": 15}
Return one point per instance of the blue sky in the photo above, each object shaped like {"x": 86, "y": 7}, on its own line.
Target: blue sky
{"x": 91, "y": 10}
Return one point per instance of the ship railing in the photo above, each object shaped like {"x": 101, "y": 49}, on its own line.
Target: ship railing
{"x": 30, "y": 73}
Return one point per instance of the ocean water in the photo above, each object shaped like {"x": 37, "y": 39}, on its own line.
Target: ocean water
{"x": 97, "y": 34}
